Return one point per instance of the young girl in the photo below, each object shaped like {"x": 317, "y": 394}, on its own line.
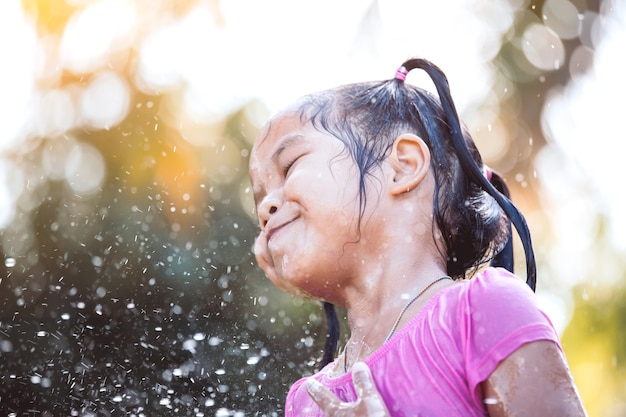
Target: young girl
{"x": 372, "y": 197}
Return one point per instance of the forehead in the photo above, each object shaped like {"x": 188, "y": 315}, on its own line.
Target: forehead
{"x": 278, "y": 128}
{"x": 279, "y": 133}
{"x": 280, "y": 136}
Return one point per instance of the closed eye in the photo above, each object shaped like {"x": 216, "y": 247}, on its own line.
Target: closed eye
{"x": 289, "y": 165}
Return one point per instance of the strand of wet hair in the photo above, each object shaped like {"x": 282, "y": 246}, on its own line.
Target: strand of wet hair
{"x": 469, "y": 165}
{"x": 504, "y": 258}
{"x": 332, "y": 334}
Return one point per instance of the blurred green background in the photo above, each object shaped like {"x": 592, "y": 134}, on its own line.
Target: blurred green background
{"x": 127, "y": 285}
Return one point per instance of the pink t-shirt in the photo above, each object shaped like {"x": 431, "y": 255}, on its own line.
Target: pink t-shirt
{"x": 435, "y": 364}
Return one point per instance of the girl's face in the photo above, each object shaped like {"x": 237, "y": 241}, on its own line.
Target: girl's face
{"x": 306, "y": 192}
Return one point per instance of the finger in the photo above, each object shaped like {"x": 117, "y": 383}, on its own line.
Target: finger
{"x": 363, "y": 380}
{"x": 369, "y": 397}
{"x": 325, "y": 399}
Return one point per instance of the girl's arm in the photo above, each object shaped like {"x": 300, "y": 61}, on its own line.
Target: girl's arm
{"x": 533, "y": 381}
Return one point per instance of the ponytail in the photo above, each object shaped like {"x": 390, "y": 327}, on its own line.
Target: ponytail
{"x": 471, "y": 168}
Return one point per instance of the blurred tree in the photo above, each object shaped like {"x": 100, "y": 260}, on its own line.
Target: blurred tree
{"x": 596, "y": 348}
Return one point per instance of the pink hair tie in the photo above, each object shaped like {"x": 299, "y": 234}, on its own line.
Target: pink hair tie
{"x": 488, "y": 172}
{"x": 401, "y": 74}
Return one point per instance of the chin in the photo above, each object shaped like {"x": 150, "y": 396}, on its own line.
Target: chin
{"x": 288, "y": 287}
{"x": 292, "y": 283}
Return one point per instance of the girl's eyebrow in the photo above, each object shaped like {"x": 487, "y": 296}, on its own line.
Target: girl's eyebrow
{"x": 285, "y": 142}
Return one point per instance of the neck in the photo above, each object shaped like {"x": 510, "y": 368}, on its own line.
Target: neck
{"x": 375, "y": 305}
{"x": 395, "y": 258}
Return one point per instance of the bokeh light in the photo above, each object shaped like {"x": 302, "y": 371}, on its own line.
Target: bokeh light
{"x": 84, "y": 169}
{"x": 543, "y": 47}
{"x": 583, "y": 119}
{"x": 563, "y": 18}
{"x": 105, "y": 101}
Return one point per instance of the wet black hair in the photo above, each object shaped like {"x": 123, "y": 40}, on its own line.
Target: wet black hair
{"x": 473, "y": 213}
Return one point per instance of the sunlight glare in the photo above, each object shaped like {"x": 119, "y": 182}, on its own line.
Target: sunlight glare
{"x": 159, "y": 58}
{"x": 16, "y": 80}
{"x": 93, "y": 34}
{"x": 56, "y": 112}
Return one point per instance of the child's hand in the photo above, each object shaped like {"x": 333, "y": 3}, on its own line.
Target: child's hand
{"x": 368, "y": 404}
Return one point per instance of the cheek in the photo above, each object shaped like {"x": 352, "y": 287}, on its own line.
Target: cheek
{"x": 266, "y": 263}
{"x": 261, "y": 253}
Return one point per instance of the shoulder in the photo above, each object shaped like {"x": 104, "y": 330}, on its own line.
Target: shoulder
{"x": 499, "y": 303}
{"x": 497, "y": 291}
{"x": 497, "y": 281}
{"x": 497, "y": 314}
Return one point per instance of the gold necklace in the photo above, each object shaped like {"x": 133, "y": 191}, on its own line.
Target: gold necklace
{"x": 395, "y": 324}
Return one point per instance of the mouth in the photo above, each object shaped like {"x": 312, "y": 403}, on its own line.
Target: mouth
{"x": 271, "y": 232}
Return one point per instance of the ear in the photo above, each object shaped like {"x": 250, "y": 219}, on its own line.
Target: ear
{"x": 410, "y": 159}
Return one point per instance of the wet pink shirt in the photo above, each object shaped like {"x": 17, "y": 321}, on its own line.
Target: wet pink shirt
{"x": 435, "y": 364}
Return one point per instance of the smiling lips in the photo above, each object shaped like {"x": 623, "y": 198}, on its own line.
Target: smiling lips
{"x": 271, "y": 231}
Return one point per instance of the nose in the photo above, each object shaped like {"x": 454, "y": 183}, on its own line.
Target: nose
{"x": 268, "y": 206}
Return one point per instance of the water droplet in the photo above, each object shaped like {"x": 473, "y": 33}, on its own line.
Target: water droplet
{"x": 97, "y": 261}
{"x": 6, "y": 346}
{"x": 190, "y": 345}
{"x": 214, "y": 341}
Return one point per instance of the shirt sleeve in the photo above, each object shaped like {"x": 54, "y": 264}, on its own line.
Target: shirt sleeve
{"x": 498, "y": 315}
